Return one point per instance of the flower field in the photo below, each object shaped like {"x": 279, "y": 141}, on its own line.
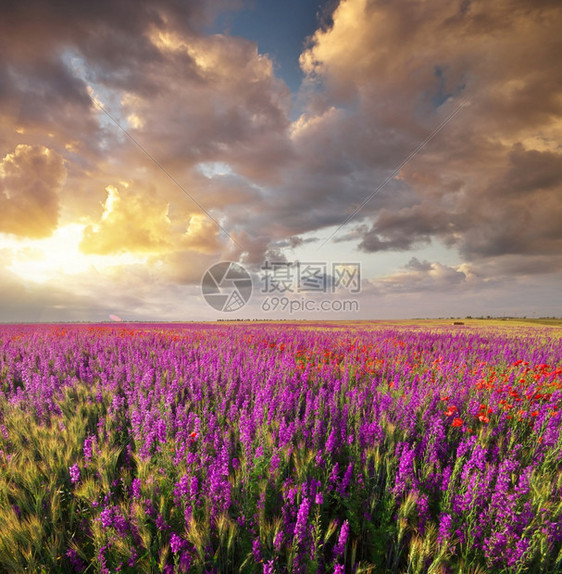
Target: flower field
{"x": 280, "y": 448}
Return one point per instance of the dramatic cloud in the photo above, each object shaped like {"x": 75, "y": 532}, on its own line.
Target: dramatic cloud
{"x": 131, "y": 222}
{"x": 489, "y": 182}
{"x": 140, "y": 148}
{"x": 30, "y": 180}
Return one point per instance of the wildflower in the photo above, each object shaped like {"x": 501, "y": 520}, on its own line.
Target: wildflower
{"x": 176, "y": 543}
{"x": 302, "y": 517}
{"x": 445, "y": 523}
{"x": 451, "y": 409}
{"x": 74, "y": 560}
{"x": 136, "y": 488}
{"x": 457, "y": 422}
{"x": 256, "y": 550}
{"x": 133, "y": 558}
{"x": 74, "y": 474}
{"x": 339, "y": 548}
{"x": 106, "y": 517}
{"x": 278, "y": 541}
{"x": 193, "y": 435}
{"x": 185, "y": 562}
{"x": 161, "y": 523}
{"x": 483, "y": 418}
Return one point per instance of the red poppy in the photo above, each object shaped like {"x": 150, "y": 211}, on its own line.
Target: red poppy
{"x": 483, "y": 418}
{"x": 457, "y": 422}
{"x": 193, "y": 435}
{"x": 450, "y": 410}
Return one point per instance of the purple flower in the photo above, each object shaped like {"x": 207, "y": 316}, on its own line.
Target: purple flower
{"x": 120, "y": 523}
{"x": 74, "y": 474}
{"x": 133, "y": 558}
{"x": 256, "y": 550}
{"x": 176, "y": 543}
{"x": 346, "y": 480}
{"x": 445, "y": 523}
{"x": 339, "y": 548}
{"x": 446, "y": 478}
{"x": 88, "y": 448}
{"x": 161, "y": 523}
{"x": 302, "y": 517}
{"x": 185, "y": 562}
{"x": 278, "y": 541}
{"x": 74, "y": 560}
{"x": 136, "y": 488}
{"x": 106, "y": 517}
{"x": 275, "y": 461}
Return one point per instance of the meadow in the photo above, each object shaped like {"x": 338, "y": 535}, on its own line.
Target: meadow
{"x": 280, "y": 448}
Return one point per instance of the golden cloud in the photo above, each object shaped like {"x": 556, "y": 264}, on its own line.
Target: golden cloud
{"x": 138, "y": 221}
{"x": 30, "y": 181}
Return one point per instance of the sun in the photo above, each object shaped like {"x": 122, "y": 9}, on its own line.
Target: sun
{"x": 57, "y": 257}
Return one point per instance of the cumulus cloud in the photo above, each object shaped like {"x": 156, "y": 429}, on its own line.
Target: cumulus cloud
{"x": 422, "y": 276}
{"x": 489, "y": 183}
{"x": 130, "y": 222}
{"x": 30, "y": 181}
{"x": 139, "y": 221}
{"x": 185, "y": 96}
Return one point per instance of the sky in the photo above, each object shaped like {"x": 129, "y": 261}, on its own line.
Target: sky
{"x": 414, "y": 146}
